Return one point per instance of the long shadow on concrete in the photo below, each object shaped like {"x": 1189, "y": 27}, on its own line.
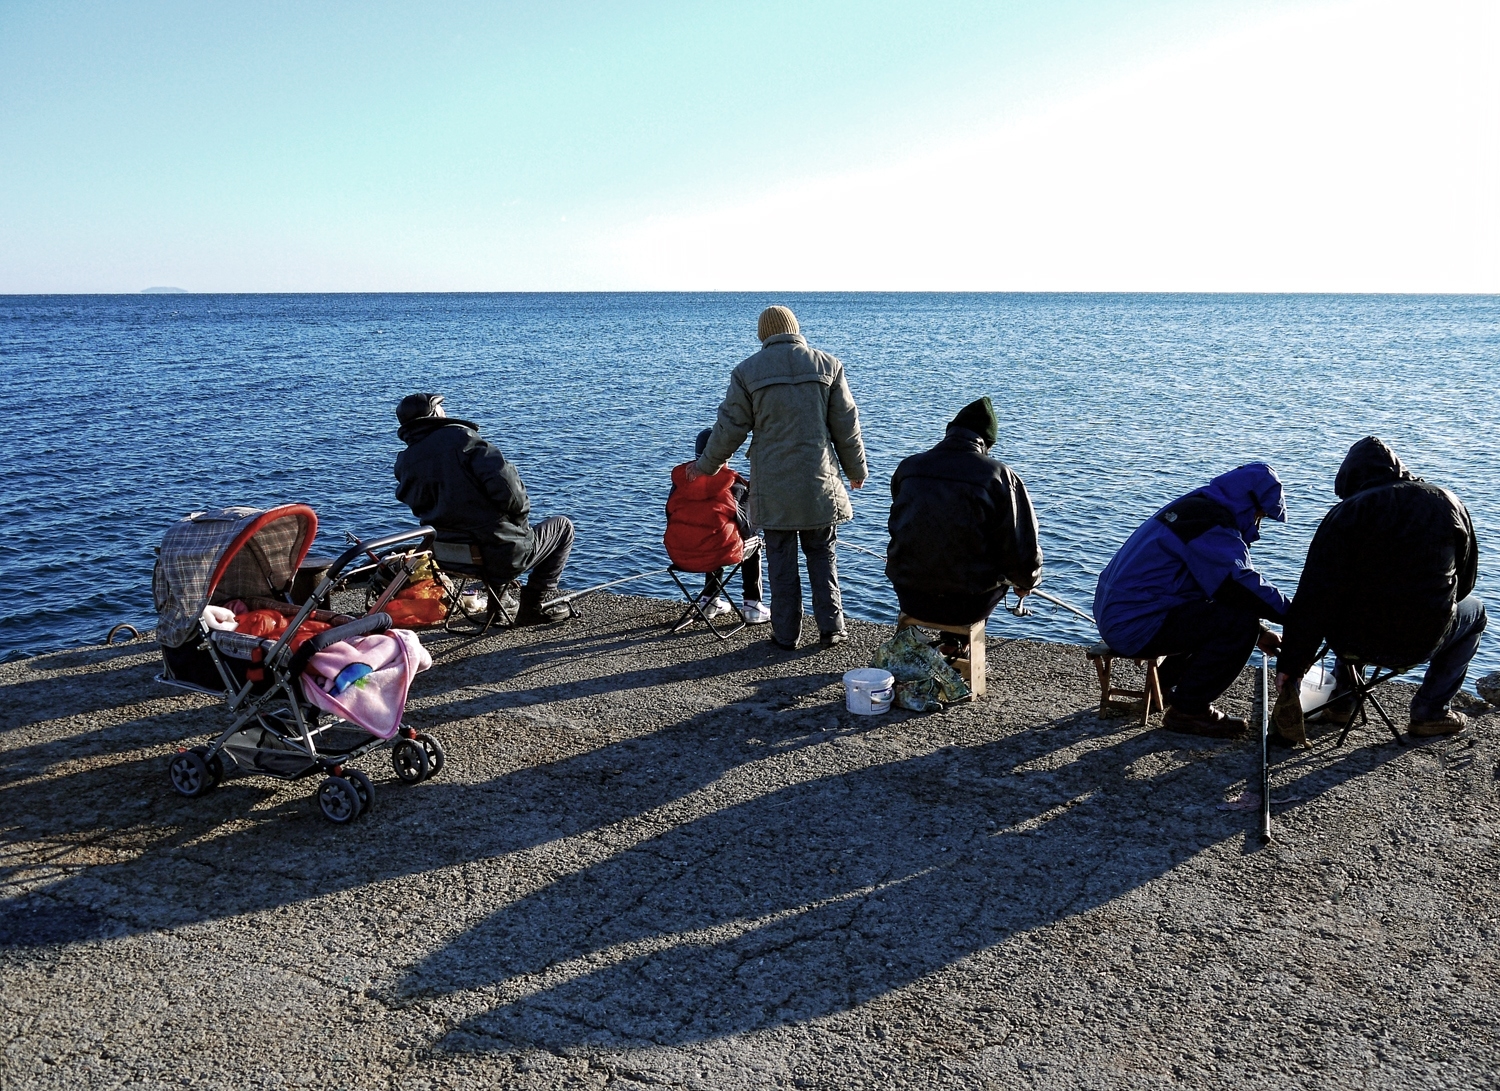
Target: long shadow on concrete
{"x": 121, "y": 838}
{"x": 817, "y": 897}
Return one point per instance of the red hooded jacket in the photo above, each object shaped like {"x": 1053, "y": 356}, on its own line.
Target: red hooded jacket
{"x": 701, "y": 531}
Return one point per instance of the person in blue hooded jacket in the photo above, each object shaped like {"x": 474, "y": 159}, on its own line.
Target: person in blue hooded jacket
{"x": 1183, "y": 586}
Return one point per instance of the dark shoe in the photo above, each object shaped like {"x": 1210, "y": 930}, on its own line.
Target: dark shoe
{"x": 777, "y": 643}
{"x": 1212, "y": 724}
{"x": 1339, "y": 711}
{"x": 531, "y": 611}
{"x": 953, "y": 647}
{"x": 1449, "y": 723}
{"x": 832, "y": 640}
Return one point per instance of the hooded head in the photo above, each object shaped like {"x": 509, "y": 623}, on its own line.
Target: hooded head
{"x": 701, "y": 443}
{"x": 416, "y": 406}
{"x": 774, "y": 320}
{"x": 1250, "y": 491}
{"x": 1369, "y": 463}
{"x": 979, "y": 418}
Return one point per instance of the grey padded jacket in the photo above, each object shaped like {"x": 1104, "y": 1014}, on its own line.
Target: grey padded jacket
{"x": 796, "y": 402}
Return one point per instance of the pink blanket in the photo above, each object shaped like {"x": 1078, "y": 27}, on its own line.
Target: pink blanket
{"x": 365, "y": 680}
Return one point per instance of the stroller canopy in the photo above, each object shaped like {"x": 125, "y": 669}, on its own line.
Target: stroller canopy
{"x": 227, "y": 553}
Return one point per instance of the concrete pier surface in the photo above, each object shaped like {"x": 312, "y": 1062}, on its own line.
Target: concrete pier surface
{"x": 656, "y": 860}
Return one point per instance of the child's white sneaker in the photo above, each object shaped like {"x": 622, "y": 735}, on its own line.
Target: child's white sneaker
{"x": 754, "y": 612}
{"x": 715, "y": 607}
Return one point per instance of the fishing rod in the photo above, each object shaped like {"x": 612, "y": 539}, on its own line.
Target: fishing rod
{"x": 612, "y": 583}
{"x": 1019, "y": 609}
{"x": 1265, "y": 763}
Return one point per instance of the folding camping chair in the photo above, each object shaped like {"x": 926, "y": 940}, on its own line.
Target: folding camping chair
{"x": 464, "y": 565}
{"x": 1363, "y": 687}
{"x": 713, "y": 589}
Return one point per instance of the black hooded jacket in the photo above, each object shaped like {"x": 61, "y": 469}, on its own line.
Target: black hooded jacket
{"x": 961, "y": 523}
{"x": 1385, "y": 569}
{"x": 462, "y": 485}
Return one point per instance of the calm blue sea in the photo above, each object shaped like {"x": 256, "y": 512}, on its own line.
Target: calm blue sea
{"x": 123, "y": 413}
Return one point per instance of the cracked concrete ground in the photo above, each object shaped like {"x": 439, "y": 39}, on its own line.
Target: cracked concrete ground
{"x": 659, "y": 860}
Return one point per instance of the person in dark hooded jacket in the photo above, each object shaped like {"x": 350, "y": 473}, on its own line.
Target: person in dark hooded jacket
{"x": 462, "y": 486}
{"x": 1389, "y": 579}
{"x": 962, "y": 527}
{"x": 1183, "y": 586}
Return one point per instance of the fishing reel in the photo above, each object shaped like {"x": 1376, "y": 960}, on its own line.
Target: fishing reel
{"x": 1020, "y": 609}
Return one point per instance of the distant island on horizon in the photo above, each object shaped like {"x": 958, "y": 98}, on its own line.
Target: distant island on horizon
{"x": 164, "y": 291}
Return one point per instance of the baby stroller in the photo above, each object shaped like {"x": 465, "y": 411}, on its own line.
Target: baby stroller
{"x": 307, "y": 690}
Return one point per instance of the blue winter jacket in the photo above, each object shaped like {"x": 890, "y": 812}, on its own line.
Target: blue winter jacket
{"x": 1185, "y": 553}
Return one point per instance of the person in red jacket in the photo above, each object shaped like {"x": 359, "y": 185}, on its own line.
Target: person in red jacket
{"x": 707, "y": 526}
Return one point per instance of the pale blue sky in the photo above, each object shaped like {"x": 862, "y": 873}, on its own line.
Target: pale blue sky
{"x": 264, "y": 147}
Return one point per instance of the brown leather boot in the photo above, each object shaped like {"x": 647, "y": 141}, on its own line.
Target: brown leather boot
{"x": 1449, "y": 723}
{"x": 1212, "y": 724}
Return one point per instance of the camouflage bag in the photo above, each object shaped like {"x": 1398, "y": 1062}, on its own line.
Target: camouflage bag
{"x": 925, "y": 681}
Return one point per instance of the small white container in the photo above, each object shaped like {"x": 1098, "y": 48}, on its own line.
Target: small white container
{"x": 1317, "y": 687}
{"x": 868, "y": 691}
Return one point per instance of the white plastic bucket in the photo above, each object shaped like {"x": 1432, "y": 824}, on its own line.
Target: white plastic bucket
{"x": 1317, "y": 687}
{"x": 869, "y": 691}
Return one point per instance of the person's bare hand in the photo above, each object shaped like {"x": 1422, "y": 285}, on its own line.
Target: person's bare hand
{"x": 1268, "y": 642}
{"x": 1283, "y": 680}
{"x": 857, "y": 484}
{"x": 693, "y": 473}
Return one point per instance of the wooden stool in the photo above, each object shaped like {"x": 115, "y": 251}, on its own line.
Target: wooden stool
{"x": 1103, "y": 658}
{"x": 972, "y": 668}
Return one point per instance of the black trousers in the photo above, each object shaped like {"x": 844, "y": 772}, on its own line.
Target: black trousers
{"x": 950, "y": 609}
{"x": 554, "y": 541}
{"x": 1207, "y": 644}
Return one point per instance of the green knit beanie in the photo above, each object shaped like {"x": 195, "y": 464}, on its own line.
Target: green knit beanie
{"x": 979, "y": 417}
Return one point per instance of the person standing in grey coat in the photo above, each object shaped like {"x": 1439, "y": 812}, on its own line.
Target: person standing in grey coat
{"x": 795, "y": 401}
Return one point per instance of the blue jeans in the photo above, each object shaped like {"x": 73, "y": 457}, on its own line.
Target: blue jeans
{"x": 1449, "y": 664}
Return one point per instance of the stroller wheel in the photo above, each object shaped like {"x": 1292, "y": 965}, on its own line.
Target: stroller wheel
{"x": 435, "y": 755}
{"x": 410, "y": 760}
{"x": 215, "y": 764}
{"x": 338, "y": 800}
{"x": 364, "y": 787}
{"x": 190, "y": 774}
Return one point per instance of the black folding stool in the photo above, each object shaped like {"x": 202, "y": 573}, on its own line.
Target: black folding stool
{"x": 463, "y": 560}
{"x": 714, "y": 588}
{"x": 1363, "y": 693}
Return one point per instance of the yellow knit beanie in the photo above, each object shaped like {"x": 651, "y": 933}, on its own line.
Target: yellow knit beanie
{"x": 774, "y": 320}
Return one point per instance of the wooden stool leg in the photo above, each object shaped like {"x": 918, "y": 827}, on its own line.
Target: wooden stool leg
{"x": 1151, "y": 691}
{"x": 1103, "y": 667}
{"x": 976, "y": 660}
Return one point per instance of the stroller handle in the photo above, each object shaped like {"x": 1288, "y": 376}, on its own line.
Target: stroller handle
{"x": 374, "y": 545}
{"x": 370, "y": 623}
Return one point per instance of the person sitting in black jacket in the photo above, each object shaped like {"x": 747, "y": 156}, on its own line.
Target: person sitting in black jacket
{"x": 962, "y": 527}
{"x": 1389, "y": 580}
{"x": 462, "y": 486}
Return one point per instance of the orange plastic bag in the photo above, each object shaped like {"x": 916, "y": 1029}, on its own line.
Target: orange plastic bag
{"x": 422, "y": 589}
{"x": 415, "y": 613}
